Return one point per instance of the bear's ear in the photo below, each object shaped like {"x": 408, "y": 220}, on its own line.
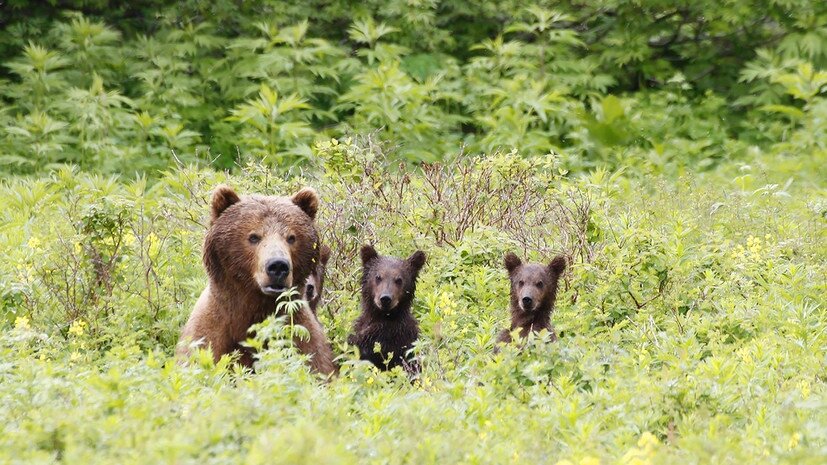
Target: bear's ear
{"x": 557, "y": 265}
{"x": 325, "y": 255}
{"x": 417, "y": 260}
{"x": 368, "y": 254}
{"x": 512, "y": 262}
{"x": 222, "y": 198}
{"x": 308, "y": 200}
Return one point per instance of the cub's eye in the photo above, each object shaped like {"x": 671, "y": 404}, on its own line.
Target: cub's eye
{"x": 521, "y": 283}
{"x": 398, "y": 281}
{"x": 378, "y": 279}
{"x": 254, "y": 238}
{"x": 540, "y": 284}
{"x": 291, "y": 239}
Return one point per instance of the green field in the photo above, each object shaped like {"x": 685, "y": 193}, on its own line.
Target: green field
{"x": 676, "y": 154}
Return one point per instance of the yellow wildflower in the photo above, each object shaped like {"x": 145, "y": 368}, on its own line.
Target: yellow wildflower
{"x": 21, "y": 322}
{"x": 804, "y": 387}
{"x": 34, "y": 243}
{"x": 648, "y": 441}
{"x": 370, "y": 380}
{"x": 589, "y": 460}
{"x": 77, "y": 328}
{"x": 74, "y": 357}
{"x": 794, "y": 439}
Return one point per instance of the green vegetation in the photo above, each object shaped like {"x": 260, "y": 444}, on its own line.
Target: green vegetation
{"x": 665, "y": 85}
{"x": 675, "y": 151}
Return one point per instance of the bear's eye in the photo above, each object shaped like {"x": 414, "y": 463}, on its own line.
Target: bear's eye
{"x": 378, "y": 279}
{"x": 291, "y": 239}
{"x": 254, "y": 238}
{"x": 540, "y": 284}
{"x": 398, "y": 281}
{"x": 521, "y": 283}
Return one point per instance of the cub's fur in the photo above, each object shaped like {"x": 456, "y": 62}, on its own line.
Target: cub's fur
{"x": 388, "y": 287}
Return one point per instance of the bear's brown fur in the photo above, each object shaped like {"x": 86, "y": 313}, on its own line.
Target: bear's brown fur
{"x": 256, "y": 247}
{"x": 533, "y": 293}
{"x": 315, "y": 282}
{"x": 388, "y": 287}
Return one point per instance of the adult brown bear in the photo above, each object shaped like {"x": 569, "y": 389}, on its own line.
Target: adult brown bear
{"x": 256, "y": 247}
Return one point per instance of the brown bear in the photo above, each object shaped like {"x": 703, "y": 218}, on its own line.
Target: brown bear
{"x": 388, "y": 286}
{"x": 256, "y": 247}
{"x": 533, "y": 292}
{"x": 315, "y": 282}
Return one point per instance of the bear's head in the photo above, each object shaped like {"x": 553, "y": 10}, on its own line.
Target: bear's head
{"x": 315, "y": 282}
{"x": 533, "y": 286}
{"x": 258, "y": 243}
{"x": 389, "y": 283}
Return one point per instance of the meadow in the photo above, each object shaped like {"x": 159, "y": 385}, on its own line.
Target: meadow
{"x": 676, "y": 155}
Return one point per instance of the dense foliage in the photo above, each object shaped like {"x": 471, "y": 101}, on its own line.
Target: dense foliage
{"x": 692, "y": 320}
{"x": 667, "y": 85}
{"x": 674, "y": 151}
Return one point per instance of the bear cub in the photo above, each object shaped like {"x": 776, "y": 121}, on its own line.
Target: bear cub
{"x": 533, "y": 292}
{"x": 315, "y": 282}
{"x": 388, "y": 286}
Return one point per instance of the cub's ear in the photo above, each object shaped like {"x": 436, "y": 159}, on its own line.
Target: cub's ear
{"x": 368, "y": 254}
{"x": 557, "y": 265}
{"x": 325, "y": 255}
{"x": 417, "y": 260}
{"x": 222, "y": 198}
{"x": 512, "y": 262}
{"x": 308, "y": 200}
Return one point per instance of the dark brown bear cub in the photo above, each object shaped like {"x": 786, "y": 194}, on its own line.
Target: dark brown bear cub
{"x": 388, "y": 286}
{"x": 533, "y": 292}
{"x": 256, "y": 247}
{"x": 315, "y": 282}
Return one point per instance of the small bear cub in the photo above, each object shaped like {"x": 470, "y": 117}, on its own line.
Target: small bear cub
{"x": 315, "y": 282}
{"x": 533, "y": 292}
{"x": 388, "y": 286}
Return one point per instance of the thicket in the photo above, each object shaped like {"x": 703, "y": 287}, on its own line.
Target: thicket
{"x": 692, "y": 321}
{"x": 122, "y": 88}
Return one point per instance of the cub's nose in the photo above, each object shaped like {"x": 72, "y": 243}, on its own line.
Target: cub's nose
{"x": 277, "y": 268}
{"x": 528, "y": 302}
{"x": 385, "y": 300}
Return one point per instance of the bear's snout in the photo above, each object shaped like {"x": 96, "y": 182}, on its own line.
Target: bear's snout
{"x": 527, "y": 303}
{"x": 278, "y": 276}
{"x": 385, "y": 301}
{"x": 310, "y": 291}
{"x": 277, "y": 268}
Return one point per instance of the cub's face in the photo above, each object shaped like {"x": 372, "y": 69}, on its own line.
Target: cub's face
{"x": 386, "y": 280}
{"x": 530, "y": 284}
{"x": 533, "y": 285}
{"x": 315, "y": 282}
{"x": 267, "y": 242}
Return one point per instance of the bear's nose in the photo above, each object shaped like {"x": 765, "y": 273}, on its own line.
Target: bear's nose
{"x": 385, "y": 300}
{"x": 527, "y": 302}
{"x": 277, "y": 268}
